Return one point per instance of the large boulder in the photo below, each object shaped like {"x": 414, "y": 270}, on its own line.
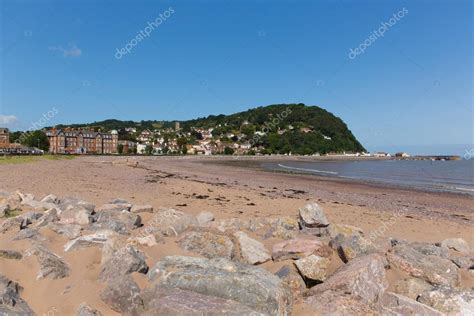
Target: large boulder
{"x": 354, "y": 246}
{"x": 457, "y": 244}
{"x": 336, "y": 303}
{"x": 205, "y": 218}
{"x": 119, "y": 221}
{"x": 122, "y": 295}
{"x": 293, "y": 279}
{"x": 141, "y": 209}
{"x": 10, "y": 301}
{"x": 51, "y": 265}
{"x": 313, "y": 268}
{"x": 124, "y": 261}
{"x": 284, "y": 228}
{"x": 170, "y": 222}
{"x": 97, "y": 239}
{"x": 251, "y": 250}
{"x": 249, "y": 285}
{"x": 86, "y": 310}
{"x": 432, "y": 269}
{"x": 395, "y": 304}
{"x": 74, "y": 203}
{"x": 411, "y": 287}
{"x": 76, "y": 215}
{"x": 449, "y": 300}
{"x": 312, "y": 215}
{"x": 49, "y": 216}
{"x": 299, "y": 248}
{"x": 363, "y": 278}
{"x": 209, "y": 243}
{"x": 38, "y": 206}
{"x": 174, "y": 301}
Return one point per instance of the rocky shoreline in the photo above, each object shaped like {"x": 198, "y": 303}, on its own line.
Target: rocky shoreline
{"x": 302, "y": 264}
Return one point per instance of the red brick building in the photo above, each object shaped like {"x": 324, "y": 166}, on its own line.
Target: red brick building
{"x": 82, "y": 142}
{"x": 4, "y": 137}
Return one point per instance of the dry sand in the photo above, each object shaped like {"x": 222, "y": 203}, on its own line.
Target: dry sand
{"x": 226, "y": 189}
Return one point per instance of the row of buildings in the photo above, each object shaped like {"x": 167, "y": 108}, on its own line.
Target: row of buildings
{"x": 8, "y": 148}
{"x": 69, "y": 141}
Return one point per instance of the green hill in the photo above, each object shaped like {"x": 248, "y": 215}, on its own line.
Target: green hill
{"x": 294, "y": 128}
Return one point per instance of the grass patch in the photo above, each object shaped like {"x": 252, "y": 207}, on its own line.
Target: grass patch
{"x": 12, "y": 213}
{"x": 27, "y": 159}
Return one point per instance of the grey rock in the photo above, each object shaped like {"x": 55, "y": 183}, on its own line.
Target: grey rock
{"x": 37, "y": 205}
{"x": 124, "y": 261}
{"x": 336, "y": 303}
{"x": 299, "y": 248}
{"x": 51, "y": 265}
{"x": 363, "y": 278}
{"x": 49, "y": 216}
{"x": 429, "y": 249}
{"x": 11, "y": 303}
{"x": 354, "y": 246}
{"x": 120, "y": 201}
{"x": 86, "y": 310}
{"x": 97, "y": 239}
{"x": 170, "y": 222}
{"x": 457, "y": 244}
{"x": 119, "y": 221}
{"x": 28, "y": 233}
{"x": 70, "y": 231}
{"x": 75, "y": 203}
{"x": 115, "y": 207}
{"x": 465, "y": 262}
{"x": 449, "y": 300}
{"x": 411, "y": 287}
{"x": 142, "y": 209}
{"x": 312, "y": 215}
{"x": 10, "y": 223}
{"x": 293, "y": 279}
{"x": 252, "y": 251}
{"x": 344, "y": 230}
{"x": 313, "y": 268}
{"x": 174, "y": 301}
{"x": 76, "y": 215}
{"x": 4, "y": 209}
{"x": 209, "y": 243}
{"x": 51, "y": 198}
{"x": 205, "y": 218}
{"x": 432, "y": 269}
{"x": 123, "y": 295}
{"x": 249, "y": 285}
{"x": 10, "y": 254}
{"x": 398, "y": 305}
{"x": 284, "y": 228}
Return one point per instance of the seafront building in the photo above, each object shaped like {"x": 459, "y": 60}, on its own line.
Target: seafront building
{"x": 69, "y": 141}
{"x": 4, "y": 137}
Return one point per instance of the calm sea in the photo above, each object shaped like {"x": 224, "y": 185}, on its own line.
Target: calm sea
{"x": 457, "y": 176}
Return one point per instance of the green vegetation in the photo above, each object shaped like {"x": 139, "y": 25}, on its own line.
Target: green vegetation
{"x": 27, "y": 159}
{"x": 280, "y": 128}
{"x": 12, "y": 213}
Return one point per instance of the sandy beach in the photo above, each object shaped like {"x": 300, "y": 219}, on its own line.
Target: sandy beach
{"x": 229, "y": 188}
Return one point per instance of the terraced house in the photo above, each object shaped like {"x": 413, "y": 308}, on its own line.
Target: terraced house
{"x": 82, "y": 142}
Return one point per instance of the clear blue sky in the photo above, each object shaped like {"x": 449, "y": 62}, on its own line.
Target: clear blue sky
{"x": 413, "y": 86}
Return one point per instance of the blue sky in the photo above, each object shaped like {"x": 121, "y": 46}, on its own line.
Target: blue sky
{"x": 411, "y": 87}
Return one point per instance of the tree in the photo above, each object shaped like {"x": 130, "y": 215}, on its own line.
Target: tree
{"x": 228, "y": 151}
{"x": 120, "y": 148}
{"x": 37, "y": 139}
{"x": 148, "y": 149}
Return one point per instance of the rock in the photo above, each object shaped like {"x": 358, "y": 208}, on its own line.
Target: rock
{"x": 236, "y": 224}
{"x": 28, "y": 233}
{"x": 362, "y": 278}
{"x": 465, "y": 262}
{"x": 252, "y": 251}
{"x": 10, "y": 223}
{"x": 313, "y": 268}
{"x": 76, "y": 215}
{"x": 249, "y": 285}
{"x": 457, "y": 244}
{"x": 170, "y": 222}
{"x": 37, "y": 205}
{"x": 345, "y": 230}
{"x": 148, "y": 241}
{"x": 71, "y": 231}
{"x": 429, "y": 249}
{"x": 312, "y": 215}
{"x": 411, "y": 287}
{"x": 11, "y": 303}
{"x": 10, "y": 254}
{"x": 118, "y": 221}
{"x": 209, "y": 243}
{"x": 49, "y": 216}
{"x": 122, "y": 295}
{"x": 75, "y": 203}
{"x": 51, "y": 198}
{"x": 115, "y": 207}
{"x": 142, "y": 209}
{"x": 331, "y": 303}
{"x": 110, "y": 247}
{"x": 124, "y": 261}
{"x": 292, "y": 278}
{"x": 432, "y": 269}
{"x": 5, "y": 209}
{"x": 24, "y": 197}
{"x": 354, "y": 246}
{"x": 97, "y": 239}
{"x": 204, "y": 218}
{"x": 86, "y": 310}
{"x": 449, "y": 300}
{"x": 174, "y": 301}
{"x": 395, "y": 304}
{"x": 284, "y": 228}
{"x": 51, "y": 265}
{"x": 299, "y": 248}
{"x": 119, "y": 201}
